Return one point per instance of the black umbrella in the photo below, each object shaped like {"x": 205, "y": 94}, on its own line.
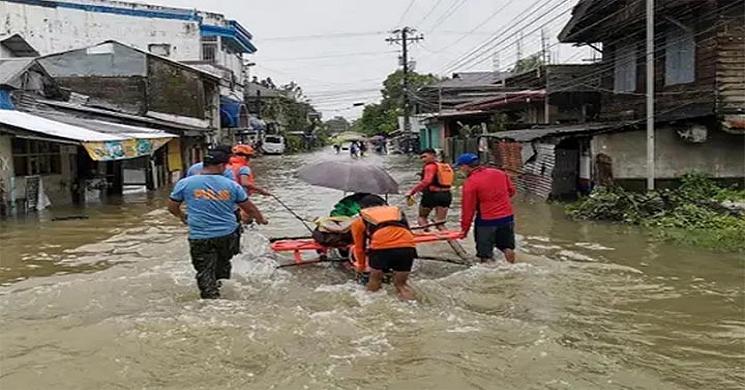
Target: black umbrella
{"x": 349, "y": 176}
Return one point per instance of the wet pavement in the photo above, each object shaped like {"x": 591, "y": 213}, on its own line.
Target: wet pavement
{"x": 110, "y": 302}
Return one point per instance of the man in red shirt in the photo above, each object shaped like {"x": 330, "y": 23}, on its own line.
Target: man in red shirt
{"x": 435, "y": 188}
{"x": 486, "y": 195}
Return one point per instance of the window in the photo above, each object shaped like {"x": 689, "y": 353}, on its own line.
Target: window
{"x": 209, "y": 49}
{"x": 680, "y": 56}
{"x": 36, "y": 157}
{"x": 161, "y": 49}
{"x": 624, "y": 69}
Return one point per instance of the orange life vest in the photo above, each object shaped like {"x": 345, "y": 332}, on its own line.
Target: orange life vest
{"x": 445, "y": 176}
{"x": 377, "y": 218}
{"x": 235, "y": 164}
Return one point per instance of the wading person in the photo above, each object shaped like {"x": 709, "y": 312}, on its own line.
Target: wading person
{"x": 437, "y": 178}
{"x": 210, "y": 200}
{"x": 239, "y": 167}
{"x": 384, "y": 243}
{"x": 487, "y": 194}
{"x": 196, "y": 168}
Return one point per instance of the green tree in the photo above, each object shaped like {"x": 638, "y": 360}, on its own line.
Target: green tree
{"x": 383, "y": 117}
{"x": 528, "y": 63}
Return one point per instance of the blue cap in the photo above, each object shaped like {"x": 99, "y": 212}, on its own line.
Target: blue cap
{"x": 466, "y": 159}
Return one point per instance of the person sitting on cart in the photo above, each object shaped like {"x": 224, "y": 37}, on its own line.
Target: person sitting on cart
{"x": 334, "y": 231}
{"x": 382, "y": 235}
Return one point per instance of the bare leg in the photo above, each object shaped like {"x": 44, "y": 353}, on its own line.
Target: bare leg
{"x": 376, "y": 280}
{"x": 400, "y": 281}
{"x": 423, "y": 216}
{"x": 441, "y": 214}
{"x": 509, "y": 255}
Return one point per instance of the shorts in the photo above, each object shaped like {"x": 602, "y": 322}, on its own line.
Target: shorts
{"x": 489, "y": 237}
{"x": 432, "y": 199}
{"x": 395, "y": 259}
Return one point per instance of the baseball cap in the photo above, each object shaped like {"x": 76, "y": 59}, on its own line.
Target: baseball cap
{"x": 215, "y": 156}
{"x": 466, "y": 159}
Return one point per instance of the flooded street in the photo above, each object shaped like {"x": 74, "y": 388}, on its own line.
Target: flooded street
{"x": 110, "y": 302}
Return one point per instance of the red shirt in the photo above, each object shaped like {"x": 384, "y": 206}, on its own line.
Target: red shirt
{"x": 428, "y": 179}
{"x": 488, "y": 192}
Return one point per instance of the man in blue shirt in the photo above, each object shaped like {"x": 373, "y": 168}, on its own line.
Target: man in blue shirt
{"x": 210, "y": 201}
{"x": 197, "y": 168}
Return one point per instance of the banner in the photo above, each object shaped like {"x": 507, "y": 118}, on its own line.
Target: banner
{"x": 124, "y": 149}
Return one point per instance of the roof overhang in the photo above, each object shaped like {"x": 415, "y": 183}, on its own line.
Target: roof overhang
{"x": 529, "y": 135}
{"x": 104, "y": 141}
{"x": 234, "y": 35}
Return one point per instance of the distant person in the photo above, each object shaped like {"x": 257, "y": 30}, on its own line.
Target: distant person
{"x": 487, "y": 194}
{"x": 437, "y": 180}
{"x": 382, "y": 235}
{"x": 210, "y": 201}
{"x": 337, "y": 148}
{"x": 363, "y": 148}
{"x": 240, "y": 170}
{"x": 353, "y": 149}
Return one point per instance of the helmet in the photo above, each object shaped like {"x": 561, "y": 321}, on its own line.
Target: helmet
{"x": 243, "y": 149}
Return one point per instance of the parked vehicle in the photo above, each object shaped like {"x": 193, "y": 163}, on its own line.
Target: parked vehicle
{"x": 273, "y": 144}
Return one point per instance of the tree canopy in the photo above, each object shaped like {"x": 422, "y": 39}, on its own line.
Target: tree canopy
{"x": 382, "y": 117}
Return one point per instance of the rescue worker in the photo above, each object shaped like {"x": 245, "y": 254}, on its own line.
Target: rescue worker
{"x": 196, "y": 169}
{"x": 383, "y": 242}
{"x": 437, "y": 180}
{"x": 210, "y": 200}
{"x": 240, "y": 169}
{"x": 486, "y": 195}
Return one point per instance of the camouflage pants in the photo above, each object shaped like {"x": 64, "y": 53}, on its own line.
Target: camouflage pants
{"x": 211, "y": 259}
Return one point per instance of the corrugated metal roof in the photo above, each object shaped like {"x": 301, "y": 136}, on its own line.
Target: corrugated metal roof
{"x": 19, "y": 46}
{"x": 470, "y": 79}
{"x": 527, "y": 135}
{"x": 11, "y": 68}
{"x": 77, "y": 129}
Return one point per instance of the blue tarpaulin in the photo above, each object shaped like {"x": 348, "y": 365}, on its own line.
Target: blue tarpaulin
{"x": 5, "y": 102}
{"x": 230, "y": 112}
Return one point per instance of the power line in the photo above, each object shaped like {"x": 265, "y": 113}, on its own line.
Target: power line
{"x": 485, "y": 21}
{"x": 450, "y": 11}
{"x": 324, "y": 36}
{"x": 406, "y": 11}
{"x": 474, "y": 54}
{"x": 339, "y": 55}
{"x": 431, "y": 10}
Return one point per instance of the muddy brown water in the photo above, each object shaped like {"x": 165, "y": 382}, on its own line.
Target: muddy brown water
{"x": 109, "y": 302}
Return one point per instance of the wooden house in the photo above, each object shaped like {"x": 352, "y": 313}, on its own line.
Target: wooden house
{"x": 699, "y": 58}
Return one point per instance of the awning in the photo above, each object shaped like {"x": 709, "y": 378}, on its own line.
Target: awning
{"x": 528, "y": 135}
{"x": 104, "y": 141}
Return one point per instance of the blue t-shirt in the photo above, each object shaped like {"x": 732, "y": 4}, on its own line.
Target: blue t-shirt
{"x": 210, "y": 204}
{"x": 197, "y": 169}
{"x": 244, "y": 170}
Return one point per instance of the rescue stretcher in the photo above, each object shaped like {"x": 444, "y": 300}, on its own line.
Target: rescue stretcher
{"x": 298, "y": 246}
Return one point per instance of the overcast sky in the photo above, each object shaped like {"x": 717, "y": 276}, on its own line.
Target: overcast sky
{"x": 336, "y": 49}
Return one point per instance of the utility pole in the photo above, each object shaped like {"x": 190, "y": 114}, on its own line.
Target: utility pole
{"x": 545, "y": 58}
{"x": 650, "y": 95}
{"x": 403, "y": 37}
{"x": 520, "y": 46}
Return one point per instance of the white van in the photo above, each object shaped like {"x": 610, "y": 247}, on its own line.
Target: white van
{"x": 273, "y": 144}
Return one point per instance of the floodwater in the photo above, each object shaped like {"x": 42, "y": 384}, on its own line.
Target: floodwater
{"x": 109, "y": 302}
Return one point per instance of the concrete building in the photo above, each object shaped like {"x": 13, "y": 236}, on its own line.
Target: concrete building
{"x": 206, "y": 40}
{"x": 52, "y": 157}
